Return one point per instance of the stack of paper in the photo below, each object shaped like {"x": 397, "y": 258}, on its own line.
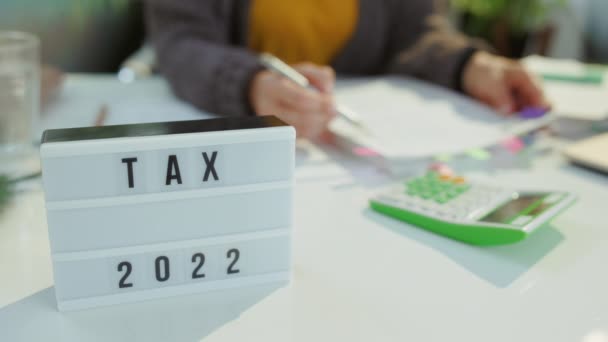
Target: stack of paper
{"x": 409, "y": 120}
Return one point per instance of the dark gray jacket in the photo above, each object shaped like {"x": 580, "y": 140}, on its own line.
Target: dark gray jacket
{"x": 202, "y": 47}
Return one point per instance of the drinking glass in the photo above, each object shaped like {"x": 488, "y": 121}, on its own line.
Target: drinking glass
{"x": 19, "y": 94}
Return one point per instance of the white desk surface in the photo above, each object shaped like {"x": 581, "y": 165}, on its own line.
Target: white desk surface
{"x": 358, "y": 276}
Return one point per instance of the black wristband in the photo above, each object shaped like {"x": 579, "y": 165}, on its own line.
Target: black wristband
{"x": 462, "y": 64}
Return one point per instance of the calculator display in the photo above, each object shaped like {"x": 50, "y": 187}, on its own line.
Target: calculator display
{"x": 529, "y": 205}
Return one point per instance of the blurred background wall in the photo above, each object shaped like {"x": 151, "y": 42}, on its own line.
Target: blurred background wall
{"x": 79, "y": 35}
{"x": 596, "y": 28}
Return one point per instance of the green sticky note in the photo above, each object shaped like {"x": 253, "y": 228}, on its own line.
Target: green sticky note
{"x": 479, "y": 154}
{"x": 443, "y": 158}
{"x": 590, "y": 76}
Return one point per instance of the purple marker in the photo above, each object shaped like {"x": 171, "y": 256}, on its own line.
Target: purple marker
{"x": 532, "y": 112}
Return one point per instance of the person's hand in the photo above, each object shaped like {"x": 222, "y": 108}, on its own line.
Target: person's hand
{"x": 307, "y": 110}
{"x": 501, "y": 83}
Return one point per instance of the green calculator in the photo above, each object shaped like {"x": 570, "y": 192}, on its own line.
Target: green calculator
{"x": 472, "y": 213}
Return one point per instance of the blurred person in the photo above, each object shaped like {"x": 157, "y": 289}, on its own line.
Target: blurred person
{"x": 208, "y": 51}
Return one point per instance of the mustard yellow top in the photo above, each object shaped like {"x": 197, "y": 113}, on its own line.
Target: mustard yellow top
{"x": 302, "y": 30}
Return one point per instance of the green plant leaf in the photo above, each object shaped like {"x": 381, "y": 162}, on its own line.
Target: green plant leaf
{"x": 6, "y": 190}
{"x": 7, "y": 186}
{"x": 520, "y": 15}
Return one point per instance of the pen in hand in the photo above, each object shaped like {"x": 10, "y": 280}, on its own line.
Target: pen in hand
{"x": 276, "y": 65}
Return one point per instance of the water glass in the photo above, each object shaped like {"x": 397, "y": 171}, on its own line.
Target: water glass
{"x": 19, "y": 93}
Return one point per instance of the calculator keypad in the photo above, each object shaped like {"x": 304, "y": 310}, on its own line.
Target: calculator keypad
{"x": 447, "y": 198}
{"x": 437, "y": 188}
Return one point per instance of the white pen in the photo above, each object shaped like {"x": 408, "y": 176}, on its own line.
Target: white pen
{"x": 273, "y": 63}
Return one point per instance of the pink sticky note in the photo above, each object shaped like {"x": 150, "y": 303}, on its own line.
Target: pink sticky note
{"x": 365, "y": 152}
{"x": 513, "y": 144}
{"x": 441, "y": 169}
